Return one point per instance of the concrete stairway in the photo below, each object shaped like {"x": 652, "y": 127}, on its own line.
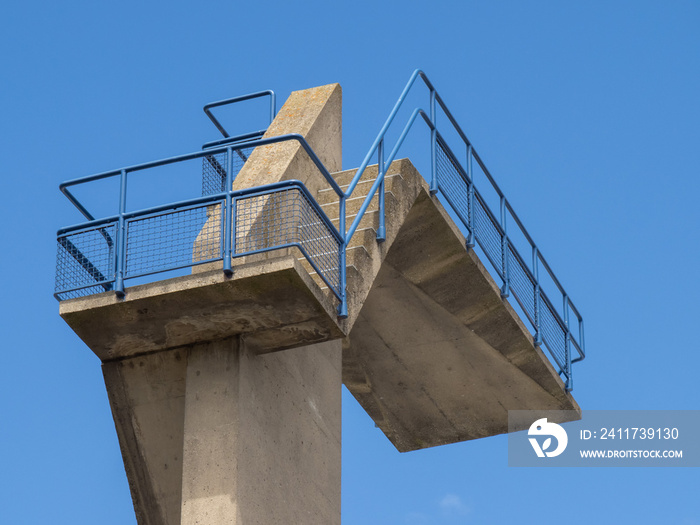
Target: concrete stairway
{"x": 365, "y": 254}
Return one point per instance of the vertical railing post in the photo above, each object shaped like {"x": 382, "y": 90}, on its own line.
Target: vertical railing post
{"x": 229, "y": 213}
{"x": 505, "y": 290}
{"x": 433, "y": 145}
{"x": 120, "y": 252}
{"x": 273, "y": 106}
{"x": 567, "y": 346}
{"x": 536, "y": 275}
{"x": 381, "y": 229}
{"x": 343, "y": 306}
{"x": 471, "y": 236}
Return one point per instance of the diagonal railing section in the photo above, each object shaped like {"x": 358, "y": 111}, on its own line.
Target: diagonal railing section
{"x": 559, "y": 329}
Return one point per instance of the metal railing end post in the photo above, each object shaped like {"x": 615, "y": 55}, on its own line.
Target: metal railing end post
{"x": 343, "y": 308}
{"x": 470, "y": 241}
{"x": 569, "y": 385}
{"x": 381, "y": 228}
{"x": 381, "y": 233}
{"x": 433, "y": 145}
{"x": 342, "y": 255}
{"x": 567, "y": 345}
{"x": 538, "y": 299}
{"x": 120, "y": 251}
{"x": 229, "y": 214}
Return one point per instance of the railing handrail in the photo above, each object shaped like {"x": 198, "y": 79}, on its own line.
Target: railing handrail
{"x": 377, "y": 183}
{"x": 238, "y": 138}
{"x": 387, "y": 124}
{"x": 382, "y": 133}
{"x": 172, "y": 206}
{"x": 383, "y": 166}
{"x": 190, "y": 156}
{"x": 268, "y": 92}
{"x": 227, "y": 199}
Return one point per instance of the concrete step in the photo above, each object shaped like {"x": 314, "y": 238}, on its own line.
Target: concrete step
{"x": 363, "y": 248}
{"x": 352, "y": 277}
{"x": 364, "y": 254}
{"x": 327, "y": 195}
{"x": 344, "y": 178}
{"x": 363, "y": 238}
{"x": 353, "y": 205}
{"x": 369, "y": 220}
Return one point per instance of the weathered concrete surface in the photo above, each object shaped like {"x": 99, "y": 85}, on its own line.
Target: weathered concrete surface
{"x": 435, "y": 355}
{"x": 314, "y": 113}
{"x": 271, "y": 302}
{"x": 214, "y": 433}
{"x": 147, "y": 396}
{"x": 262, "y": 436}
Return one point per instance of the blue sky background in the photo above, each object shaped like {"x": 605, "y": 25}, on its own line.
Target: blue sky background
{"x": 587, "y": 114}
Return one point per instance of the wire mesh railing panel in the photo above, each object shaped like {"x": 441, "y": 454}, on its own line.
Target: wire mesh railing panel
{"x": 522, "y": 283}
{"x": 85, "y": 262}
{"x": 214, "y": 173}
{"x": 285, "y": 218}
{"x": 320, "y": 245}
{"x": 489, "y": 236}
{"x": 214, "y": 170}
{"x": 488, "y": 233}
{"x": 173, "y": 240}
{"x": 450, "y": 181}
{"x": 553, "y": 333}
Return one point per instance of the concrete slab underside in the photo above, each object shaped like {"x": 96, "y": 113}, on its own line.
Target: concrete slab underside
{"x": 270, "y": 301}
{"x": 436, "y": 356}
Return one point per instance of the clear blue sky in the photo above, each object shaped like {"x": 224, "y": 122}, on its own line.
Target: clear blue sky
{"x": 587, "y": 113}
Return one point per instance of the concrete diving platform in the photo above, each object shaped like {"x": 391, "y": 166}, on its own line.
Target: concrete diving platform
{"x": 225, "y": 386}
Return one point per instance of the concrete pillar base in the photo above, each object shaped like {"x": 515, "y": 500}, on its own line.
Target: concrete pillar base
{"x": 216, "y": 434}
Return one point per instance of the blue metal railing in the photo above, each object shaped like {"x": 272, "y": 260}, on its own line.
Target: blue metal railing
{"x": 551, "y": 326}
{"x": 234, "y": 100}
{"x": 121, "y": 242}
{"x": 100, "y": 254}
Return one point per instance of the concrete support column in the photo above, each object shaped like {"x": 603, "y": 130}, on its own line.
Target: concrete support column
{"x": 214, "y": 434}
{"x": 262, "y": 435}
{"x": 147, "y": 396}
{"x": 209, "y": 488}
